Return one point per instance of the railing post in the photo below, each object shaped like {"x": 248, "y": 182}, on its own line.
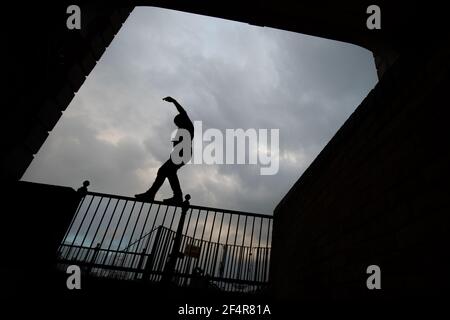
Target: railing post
{"x": 148, "y": 268}
{"x": 94, "y": 256}
{"x": 140, "y": 263}
{"x": 169, "y": 268}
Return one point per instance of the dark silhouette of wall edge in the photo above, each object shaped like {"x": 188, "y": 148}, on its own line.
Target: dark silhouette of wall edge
{"x": 375, "y": 195}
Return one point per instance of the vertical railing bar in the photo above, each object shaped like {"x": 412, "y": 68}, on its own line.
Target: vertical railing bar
{"x": 230, "y": 263}
{"x": 267, "y": 246}
{"x": 188, "y": 261}
{"x": 260, "y": 230}
{"x": 140, "y": 265}
{"x": 153, "y": 225}
{"x": 80, "y": 204}
{"x": 137, "y": 264}
{"x": 246, "y": 259}
{"x": 220, "y": 228}
{"x": 156, "y": 216}
{"x": 109, "y": 222}
{"x": 163, "y": 253}
{"x": 135, "y": 225}
{"x": 218, "y": 242}
{"x": 261, "y": 277}
{"x": 226, "y": 246}
{"x": 151, "y": 261}
{"x": 82, "y": 222}
{"x": 90, "y": 223}
{"x": 169, "y": 245}
{"x": 253, "y": 229}
{"x": 158, "y": 249}
{"x": 143, "y": 227}
{"x": 102, "y": 272}
{"x": 265, "y": 264}
{"x": 163, "y": 256}
{"x": 209, "y": 258}
{"x": 245, "y": 229}
{"x": 251, "y": 264}
{"x": 230, "y": 266}
{"x": 184, "y": 262}
{"x": 186, "y": 270}
{"x": 258, "y": 249}
{"x": 132, "y": 233}
{"x": 243, "y": 239}
{"x": 241, "y": 262}
{"x": 267, "y": 234}
{"x": 255, "y": 275}
{"x": 201, "y": 242}
{"x": 188, "y": 223}
{"x": 229, "y": 226}
{"x": 117, "y": 226}
{"x": 88, "y": 229}
{"x": 212, "y": 227}
{"x": 165, "y": 215}
{"x": 204, "y": 225}
{"x": 263, "y": 261}
{"x": 179, "y": 262}
{"x": 216, "y": 247}
{"x": 251, "y": 244}
{"x": 237, "y": 227}
{"x": 101, "y": 221}
{"x": 126, "y": 225}
{"x": 173, "y": 217}
{"x": 195, "y": 231}
{"x": 196, "y": 224}
{"x": 205, "y": 257}
{"x": 234, "y": 265}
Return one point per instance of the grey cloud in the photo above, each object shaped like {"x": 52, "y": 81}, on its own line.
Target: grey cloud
{"x": 116, "y": 132}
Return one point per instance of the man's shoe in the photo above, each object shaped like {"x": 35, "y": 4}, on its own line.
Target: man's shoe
{"x": 175, "y": 200}
{"x": 144, "y": 196}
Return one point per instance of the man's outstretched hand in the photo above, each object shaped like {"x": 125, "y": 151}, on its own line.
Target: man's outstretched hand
{"x": 177, "y": 105}
{"x": 169, "y": 99}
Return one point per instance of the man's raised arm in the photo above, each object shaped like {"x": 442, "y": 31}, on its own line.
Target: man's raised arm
{"x": 177, "y": 105}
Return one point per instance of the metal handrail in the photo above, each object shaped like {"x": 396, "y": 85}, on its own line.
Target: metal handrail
{"x": 245, "y": 213}
{"x": 225, "y": 244}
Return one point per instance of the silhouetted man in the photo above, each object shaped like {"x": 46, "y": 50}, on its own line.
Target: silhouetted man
{"x": 170, "y": 167}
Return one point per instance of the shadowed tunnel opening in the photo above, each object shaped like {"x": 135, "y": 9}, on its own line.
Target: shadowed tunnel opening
{"x": 374, "y": 195}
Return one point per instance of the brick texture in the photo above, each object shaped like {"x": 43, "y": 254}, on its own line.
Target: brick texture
{"x": 377, "y": 194}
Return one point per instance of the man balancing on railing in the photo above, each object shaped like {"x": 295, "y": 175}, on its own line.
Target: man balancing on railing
{"x": 181, "y": 154}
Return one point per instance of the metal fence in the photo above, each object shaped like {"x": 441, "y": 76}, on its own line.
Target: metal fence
{"x": 120, "y": 237}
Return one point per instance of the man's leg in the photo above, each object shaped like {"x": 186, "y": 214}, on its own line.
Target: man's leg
{"x": 175, "y": 185}
{"x": 163, "y": 171}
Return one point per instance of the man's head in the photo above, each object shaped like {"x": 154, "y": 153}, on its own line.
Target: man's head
{"x": 179, "y": 121}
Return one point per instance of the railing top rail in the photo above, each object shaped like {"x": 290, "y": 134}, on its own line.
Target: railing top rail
{"x": 113, "y": 196}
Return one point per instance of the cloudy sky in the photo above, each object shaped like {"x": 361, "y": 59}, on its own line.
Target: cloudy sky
{"x": 116, "y": 132}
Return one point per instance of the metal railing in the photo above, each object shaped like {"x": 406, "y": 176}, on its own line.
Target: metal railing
{"x": 121, "y": 237}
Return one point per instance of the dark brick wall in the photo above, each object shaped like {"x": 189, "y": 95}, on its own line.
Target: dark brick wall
{"x": 34, "y": 219}
{"x": 377, "y": 194}
{"x": 45, "y": 65}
